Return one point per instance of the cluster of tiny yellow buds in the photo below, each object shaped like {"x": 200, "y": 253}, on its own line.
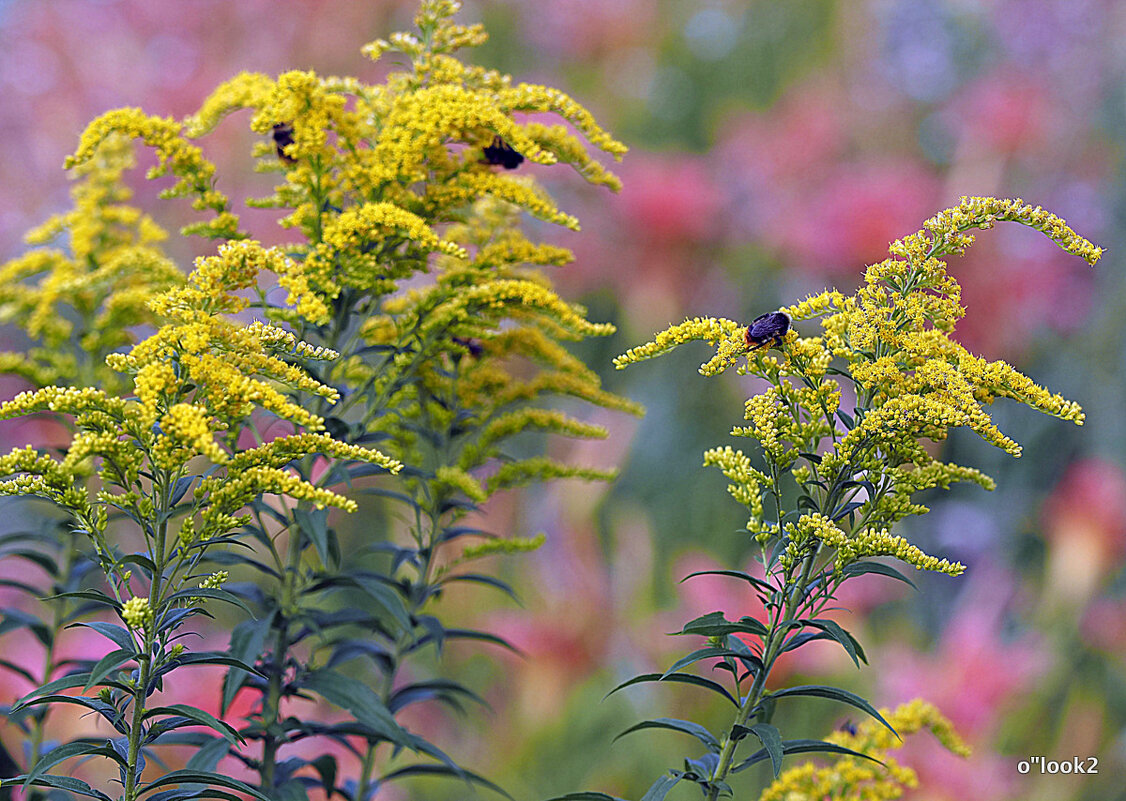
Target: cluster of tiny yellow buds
{"x": 237, "y": 489}
{"x": 859, "y": 779}
{"x": 214, "y": 581}
{"x": 174, "y": 153}
{"x": 176, "y": 650}
{"x": 541, "y": 469}
{"x": 998, "y": 379}
{"x": 186, "y": 430}
{"x": 236, "y": 266}
{"x": 461, "y": 480}
{"x": 279, "y": 339}
{"x": 814, "y": 305}
{"x": 494, "y": 297}
{"x": 281, "y": 451}
{"x": 155, "y": 381}
{"x": 65, "y": 400}
{"x": 504, "y": 546}
{"x": 907, "y": 719}
{"x": 771, "y": 423}
{"x": 747, "y": 482}
{"x": 137, "y": 613}
{"x": 881, "y": 542}
{"x": 802, "y": 536}
{"x": 728, "y": 334}
{"x": 984, "y": 212}
{"x": 188, "y": 533}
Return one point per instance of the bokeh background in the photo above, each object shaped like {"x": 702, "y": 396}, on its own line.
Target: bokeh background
{"x": 776, "y": 148}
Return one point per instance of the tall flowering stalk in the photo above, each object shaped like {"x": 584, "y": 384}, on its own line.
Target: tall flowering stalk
{"x": 167, "y": 465}
{"x": 88, "y": 281}
{"x": 409, "y": 264}
{"x": 832, "y": 483}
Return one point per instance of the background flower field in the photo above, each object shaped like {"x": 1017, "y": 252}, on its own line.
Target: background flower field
{"x": 776, "y": 148}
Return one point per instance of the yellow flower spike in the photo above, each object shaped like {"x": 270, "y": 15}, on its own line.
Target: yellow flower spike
{"x": 174, "y": 155}
{"x": 245, "y": 90}
{"x": 727, "y": 334}
{"x": 863, "y": 780}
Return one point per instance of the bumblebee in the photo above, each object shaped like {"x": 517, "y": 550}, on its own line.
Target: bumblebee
{"x": 767, "y": 330}
{"x": 501, "y": 154}
{"x": 283, "y": 135}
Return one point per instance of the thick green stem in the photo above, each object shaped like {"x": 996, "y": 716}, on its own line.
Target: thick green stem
{"x": 137, "y": 725}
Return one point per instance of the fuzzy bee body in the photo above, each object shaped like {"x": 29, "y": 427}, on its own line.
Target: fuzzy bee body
{"x": 502, "y": 154}
{"x": 767, "y": 330}
{"x": 283, "y": 135}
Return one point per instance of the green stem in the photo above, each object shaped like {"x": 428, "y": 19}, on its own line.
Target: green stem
{"x": 162, "y": 492}
{"x": 271, "y": 707}
{"x": 136, "y": 726}
{"x": 772, "y": 644}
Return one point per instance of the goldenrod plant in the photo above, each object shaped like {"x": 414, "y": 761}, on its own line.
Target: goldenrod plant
{"x": 408, "y": 313}
{"x": 76, "y": 297}
{"x": 831, "y": 483}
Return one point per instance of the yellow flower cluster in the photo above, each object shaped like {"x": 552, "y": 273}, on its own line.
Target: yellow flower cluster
{"x": 723, "y": 334}
{"x": 461, "y": 480}
{"x": 893, "y": 342}
{"x": 540, "y": 469}
{"x": 215, "y": 580}
{"x": 504, "y": 546}
{"x": 746, "y": 485}
{"x": 175, "y": 155}
{"x": 860, "y": 779}
{"x": 94, "y": 294}
{"x": 137, "y": 613}
{"x": 231, "y": 368}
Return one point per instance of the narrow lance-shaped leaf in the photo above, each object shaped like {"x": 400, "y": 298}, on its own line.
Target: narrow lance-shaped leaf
{"x": 836, "y": 694}
{"x": 683, "y": 726}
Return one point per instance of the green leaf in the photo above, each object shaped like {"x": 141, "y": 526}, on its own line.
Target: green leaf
{"x": 118, "y": 634}
{"x": 42, "y": 560}
{"x": 248, "y": 639}
{"x": 686, "y": 678}
{"x": 443, "y": 770}
{"x": 683, "y": 726}
{"x": 12, "y": 619}
{"x": 771, "y": 740}
{"x": 201, "y": 777}
{"x": 846, "y": 640}
{"x": 698, "y": 655}
{"x": 197, "y": 716}
{"x": 862, "y": 567}
{"x": 739, "y": 574}
{"x": 209, "y": 592}
{"x": 714, "y": 624}
{"x": 660, "y": 788}
{"x": 180, "y": 488}
{"x": 314, "y": 524}
{"x": 97, "y": 596}
{"x": 107, "y": 711}
{"x": 207, "y": 756}
{"x": 64, "y": 783}
{"x": 65, "y": 752}
{"x": 803, "y": 747}
{"x": 63, "y": 683}
{"x": 12, "y": 666}
{"x": 360, "y": 700}
{"x": 837, "y": 694}
{"x": 107, "y": 664}
{"x": 586, "y": 796}
{"x": 385, "y": 597}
